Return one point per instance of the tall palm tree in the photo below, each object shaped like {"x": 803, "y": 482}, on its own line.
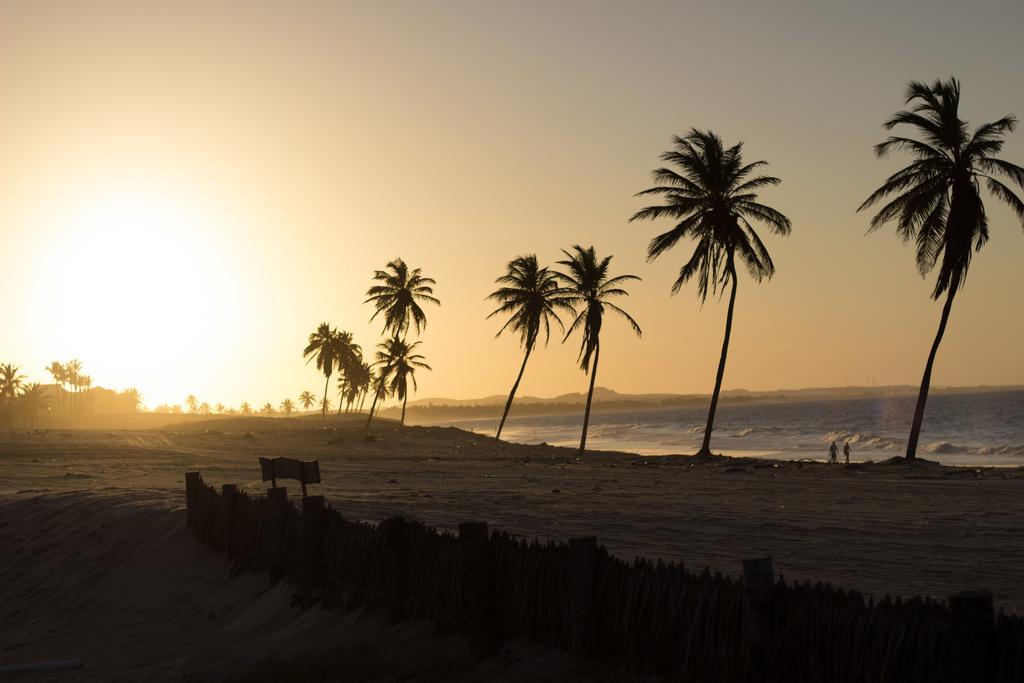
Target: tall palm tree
{"x": 133, "y": 398}
{"x": 713, "y": 197}
{"x": 287, "y": 407}
{"x": 404, "y": 362}
{"x": 938, "y": 200}
{"x": 531, "y": 296}
{"x": 73, "y": 371}
{"x": 588, "y": 290}
{"x": 267, "y": 409}
{"x": 324, "y": 346}
{"x": 399, "y": 295}
{"x": 307, "y": 399}
{"x": 56, "y": 370}
{"x": 245, "y": 408}
{"x": 192, "y": 402}
{"x": 350, "y": 355}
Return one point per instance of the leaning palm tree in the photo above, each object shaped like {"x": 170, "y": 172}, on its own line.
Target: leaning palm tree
{"x": 399, "y": 295}
{"x": 307, "y": 399}
{"x": 388, "y": 353}
{"x": 350, "y": 355}
{"x": 531, "y": 296}
{"x": 588, "y": 290}
{"x": 324, "y": 346}
{"x": 713, "y": 198}
{"x": 938, "y": 201}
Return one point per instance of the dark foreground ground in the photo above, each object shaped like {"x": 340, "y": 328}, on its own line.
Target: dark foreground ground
{"x": 97, "y": 564}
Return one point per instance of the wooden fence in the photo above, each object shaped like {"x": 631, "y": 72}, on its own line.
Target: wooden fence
{"x": 638, "y": 617}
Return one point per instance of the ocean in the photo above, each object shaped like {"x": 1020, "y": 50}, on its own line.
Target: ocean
{"x": 970, "y": 429}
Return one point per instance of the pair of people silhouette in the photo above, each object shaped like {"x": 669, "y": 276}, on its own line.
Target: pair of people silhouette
{"x": 833, "y": 453}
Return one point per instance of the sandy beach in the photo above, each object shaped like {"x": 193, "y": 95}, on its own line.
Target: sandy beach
{"x": 98, "y": 565}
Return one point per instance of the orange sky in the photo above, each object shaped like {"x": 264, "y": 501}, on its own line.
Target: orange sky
{"x": 185, "y": 192}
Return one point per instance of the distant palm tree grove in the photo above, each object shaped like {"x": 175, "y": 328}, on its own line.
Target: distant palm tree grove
{"x": 705, "y": 193}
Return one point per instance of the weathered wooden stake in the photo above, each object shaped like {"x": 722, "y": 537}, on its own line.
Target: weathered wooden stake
{"x": 759, "y": 614}
{"x": 311, "y": 544}
{"x": 277, "y": 516}
{"x": 396, "y": 567}
{"x": 973, "y": 631}
{"x": 192, "y": 484}
{"x": 477, "y": 582}
{"x": 582, "y": 590}
{"x": 229, "y": 501}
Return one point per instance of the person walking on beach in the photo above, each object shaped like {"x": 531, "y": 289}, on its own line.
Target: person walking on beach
{"x": 846, "y": 451}
{"x": 833, "y": 453}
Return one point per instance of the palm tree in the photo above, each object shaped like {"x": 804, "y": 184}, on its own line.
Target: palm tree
{"x": 287, "y": 407}
{"x": 246, "y": 408}
{"x": 531, "y": 296}
{"x": 325, "y": 404}
{"x": 713, "y": 197}
{"x": 32, "y": 399}
{"x": 402, "y": 360}
{"x": 132, "y": 397}
{"x": 588, "y": 286}
{"x": 204, "y": 408}
{"x": 398, "y": 296}
{"x": 379, "y": 383}
{"x": 59, "y": 376}
{"x": 324, "y": 346}
{"x": 938, "y": 201}
{"x": 73, "y": 372}
{"x": 192, "y": 402}
{"x": 350, "y": 355}
{"x": 307, "y": 399}
{"x": 11, "y": 381}
{"x": 219, "y": 409}
{"x": 267, "y": 409}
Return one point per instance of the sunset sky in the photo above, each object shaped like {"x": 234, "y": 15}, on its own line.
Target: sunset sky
{"x": 188, "y": 188}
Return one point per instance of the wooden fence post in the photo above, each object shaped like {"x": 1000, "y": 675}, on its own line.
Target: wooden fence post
{"x": 311, "y": 544}
{"x": 396, "y": 567}
{"x": 192, "y": 484}
{"x": 582, "y": 590}
{"x": 477, "y": 582}
{"x": 229, "y": 503}
{"x": 275, "y": 527}
{"x": 973, "y": 632}
{"x": 759, "y": 614}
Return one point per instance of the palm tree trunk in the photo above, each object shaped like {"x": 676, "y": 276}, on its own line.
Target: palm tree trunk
{"x": 926, "y": 380}
{"x": 373, "y": 407}
{"x": 512, "y": 394}
{"x": 323, "y": 408}
{"x": 590, "y": 397}
{"x": 404, "y": 401}
{"x": 705, "y": 448}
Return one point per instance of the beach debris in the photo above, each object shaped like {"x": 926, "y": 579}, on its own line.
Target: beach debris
{"x": 556, "y": 490}
{"x": 392, "y": 481}
{"x": 370, "y": 437}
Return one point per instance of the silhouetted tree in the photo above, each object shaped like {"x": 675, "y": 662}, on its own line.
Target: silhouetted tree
{"x": 398, "y": 296}
{"x": 531, "y": 297}
{"x": 401, "y": 358}
{"x": 713, "y": 197}
{"x": 287, "y": 407}
{"x": 938, "y": 201}
{"x": 350, "y": 355}
{"x": 59, "y": 376}
{"x": 587, "y": 290}
{"x": 307, "y": 399}
{"x": 192, "y": 402}
{"x": 245, "y": 408}
{"x": 324, "y": 346}
{"x": 32, "y": 400}
{"x": 132, "y": 397}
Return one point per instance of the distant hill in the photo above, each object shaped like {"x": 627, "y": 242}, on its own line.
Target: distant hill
{"x": 436, "y": 409}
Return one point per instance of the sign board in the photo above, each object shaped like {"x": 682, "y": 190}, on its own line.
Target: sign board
{"x": 305, "y": 472}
